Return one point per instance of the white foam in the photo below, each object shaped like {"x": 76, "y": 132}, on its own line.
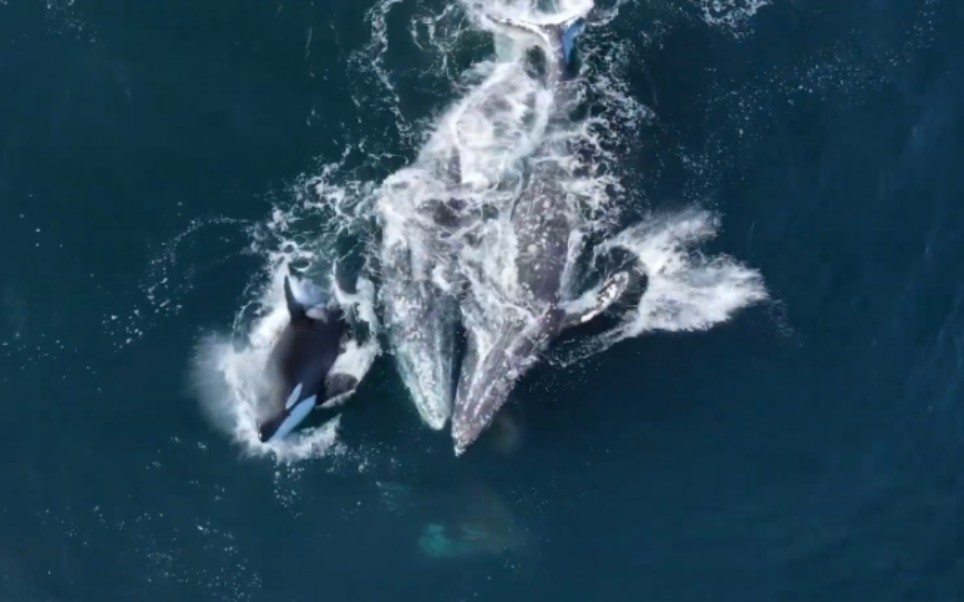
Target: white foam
{"x": 445, "y": 225}
{"x": 374, "y": 58}
{"x": 686, "y": 290}
{"x": 529, "y": 11}
{"x": 733, "y": 15}
{"x": 509, "y": 126}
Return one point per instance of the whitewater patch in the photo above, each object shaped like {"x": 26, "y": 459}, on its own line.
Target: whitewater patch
{"x": 686, "y": 290}
{"x": 441, "y": 222}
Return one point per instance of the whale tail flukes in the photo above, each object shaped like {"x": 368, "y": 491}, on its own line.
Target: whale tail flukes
{"x": 560, "y": 36}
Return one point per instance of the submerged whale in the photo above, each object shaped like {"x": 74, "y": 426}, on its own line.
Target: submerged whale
{"x": 519, "y": 305}
{"x": 303, "y": 366}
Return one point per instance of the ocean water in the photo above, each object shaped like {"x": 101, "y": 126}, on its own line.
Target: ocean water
{"x": 159, "y": 161}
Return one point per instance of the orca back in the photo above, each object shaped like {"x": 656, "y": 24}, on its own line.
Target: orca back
{"x": 306, "y": 352}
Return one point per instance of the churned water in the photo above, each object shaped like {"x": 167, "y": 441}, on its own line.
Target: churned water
{"x": 779, "y": 418}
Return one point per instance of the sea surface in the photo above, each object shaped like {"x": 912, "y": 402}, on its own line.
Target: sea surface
{"x": 157, "y": 157}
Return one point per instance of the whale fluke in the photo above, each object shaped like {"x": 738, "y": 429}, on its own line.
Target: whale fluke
{"x": 560, "y": 36}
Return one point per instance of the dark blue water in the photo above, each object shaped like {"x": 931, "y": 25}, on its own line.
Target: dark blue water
{"x": 810, "y": 449}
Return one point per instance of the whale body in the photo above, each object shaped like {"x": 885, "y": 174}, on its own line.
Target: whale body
{"x": 511, "y": 321}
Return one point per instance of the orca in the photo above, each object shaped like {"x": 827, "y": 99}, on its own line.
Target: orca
{"x": 300, "y": 365}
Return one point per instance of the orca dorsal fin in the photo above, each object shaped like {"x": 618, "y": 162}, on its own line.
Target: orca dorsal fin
{"x": 295, "y": 310}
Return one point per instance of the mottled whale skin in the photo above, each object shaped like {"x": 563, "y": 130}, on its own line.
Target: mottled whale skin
{"x": 420, "y": 308}
{"x": 502, "y": 345}
{"x": 426, "y": 212}
{"x": 300, "y": 365}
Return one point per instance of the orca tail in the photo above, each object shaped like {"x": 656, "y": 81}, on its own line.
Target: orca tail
{"x": 559, "y": 36}
{"x": 567, "y": 37}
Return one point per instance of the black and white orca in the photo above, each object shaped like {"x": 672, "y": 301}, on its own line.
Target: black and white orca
{"x": 300, "y": 365}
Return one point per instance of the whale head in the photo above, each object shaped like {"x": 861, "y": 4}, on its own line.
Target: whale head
{"x": 487, "y": 378}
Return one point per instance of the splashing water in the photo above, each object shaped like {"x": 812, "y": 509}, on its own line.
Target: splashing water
{"x": 445, "y": 222}
{"x": 452, "y": 234}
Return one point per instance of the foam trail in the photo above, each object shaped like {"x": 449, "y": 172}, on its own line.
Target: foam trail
{"x": 730, "y": 14}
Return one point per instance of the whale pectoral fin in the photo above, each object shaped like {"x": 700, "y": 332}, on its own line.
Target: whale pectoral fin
{"x": 599, "y": 300}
